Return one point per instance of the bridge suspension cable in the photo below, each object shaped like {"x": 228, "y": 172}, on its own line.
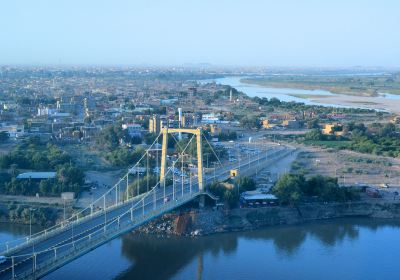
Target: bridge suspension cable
{"x": 106, "y": 223}
{"x": 76, "y": 217}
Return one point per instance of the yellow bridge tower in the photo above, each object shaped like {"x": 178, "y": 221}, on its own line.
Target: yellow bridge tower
{"x": 198, "y": 132}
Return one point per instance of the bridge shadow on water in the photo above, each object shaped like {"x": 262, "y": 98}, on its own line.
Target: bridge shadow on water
{"x": 155, "y": 257}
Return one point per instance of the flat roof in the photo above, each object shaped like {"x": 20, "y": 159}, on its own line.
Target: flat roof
{"x": 37, "y": 175}
{"x": 259, "y": 196}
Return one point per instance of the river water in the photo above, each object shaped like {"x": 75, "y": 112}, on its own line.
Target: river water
{"x": 353, "y": 248}
{"x": 286, "y": 94}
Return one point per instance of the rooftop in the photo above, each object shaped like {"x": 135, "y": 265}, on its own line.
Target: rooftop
{"x": 37, "y": 175}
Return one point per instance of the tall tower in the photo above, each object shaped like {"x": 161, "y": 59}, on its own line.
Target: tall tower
{"x": 230, "y": 96}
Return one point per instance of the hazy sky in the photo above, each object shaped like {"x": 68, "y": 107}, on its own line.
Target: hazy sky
{"x": 221, "y": 32}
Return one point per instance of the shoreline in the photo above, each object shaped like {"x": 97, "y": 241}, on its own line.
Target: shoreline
{"x": 331, "y": 89}
{"x": 376, "y": 102}
{"x": 207, "y": 221}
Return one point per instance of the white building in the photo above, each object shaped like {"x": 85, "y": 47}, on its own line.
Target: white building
{"x": 210, "y": 118}
{"x": 134, "y": 130}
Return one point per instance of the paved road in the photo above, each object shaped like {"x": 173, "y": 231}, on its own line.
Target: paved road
{"x": 104, "y": 222}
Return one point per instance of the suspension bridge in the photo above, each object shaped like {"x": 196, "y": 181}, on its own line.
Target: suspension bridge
{"x": 133, "y": 204}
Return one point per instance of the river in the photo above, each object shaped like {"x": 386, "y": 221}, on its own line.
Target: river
{"x": 292, "y": 94}
{"x": 352, "y": 248}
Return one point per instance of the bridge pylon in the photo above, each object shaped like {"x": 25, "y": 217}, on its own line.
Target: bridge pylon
{"x": 199, "y": 133}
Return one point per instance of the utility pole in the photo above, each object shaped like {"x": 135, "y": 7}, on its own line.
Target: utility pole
{"x": 173, "y": 180}
{"x": 30, "y": 221}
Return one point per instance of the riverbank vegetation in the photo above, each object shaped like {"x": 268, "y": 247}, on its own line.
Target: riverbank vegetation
{"x": 38, "y": 213}
{"x": 34, "y": 155}
{"x": 273, "y": 104}
{"x": 377, "y": 139}
{"x": 229, "y": 193}
{"x": 367, "y": 85}
{"x": 293, "y": 188}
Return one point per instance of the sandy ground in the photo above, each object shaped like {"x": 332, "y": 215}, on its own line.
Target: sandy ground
{"x": 350, "y": 167}
{"x": 362, "y": 101}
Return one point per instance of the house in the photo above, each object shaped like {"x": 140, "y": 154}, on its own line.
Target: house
{"x": 257, "y": 199}
{"x": 134, "y": 130}
{"x": 292, "y": 124}
{"x": 333, "y": 129}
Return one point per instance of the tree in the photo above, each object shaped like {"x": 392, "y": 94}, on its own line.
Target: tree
{"x": 314, "y": 135}
{"x": 250, "y": 122}
{"x": 288, "y": 188}
{"x": 246, "y": 184}
{"x": 149, "y": 138}
{"x": 387, "y": 130}
{"x": 45, "y": 186}
{"x": 70, "y": 177}
{"x": 274, "y": 101}
{"x": 230, "y": 198}
{"x": 3, "y": 137}
{"x": 123, "y": 156}
{"x": 316, "y": 184}
{"x": 313, "y": 123}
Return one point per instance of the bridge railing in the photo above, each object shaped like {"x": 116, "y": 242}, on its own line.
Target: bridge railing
{"x": 69, "y": 251}
{"x": 123, "y": 225}
{"x": 140, "y": 203}
{"x": 9, "y": 248}
{"x": 13, "y": 245}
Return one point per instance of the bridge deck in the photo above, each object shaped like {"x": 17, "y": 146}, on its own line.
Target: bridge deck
{"x": 48, "y": 252}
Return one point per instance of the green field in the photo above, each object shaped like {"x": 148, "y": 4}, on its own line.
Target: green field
{"x": 329, "y": 144}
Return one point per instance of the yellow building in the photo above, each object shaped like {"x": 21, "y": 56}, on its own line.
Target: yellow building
{"x": 395, "y": 120}
{"x": 266, "y": 124}
{"x": 333, "y": 129}
{"x": 154, "y": 124}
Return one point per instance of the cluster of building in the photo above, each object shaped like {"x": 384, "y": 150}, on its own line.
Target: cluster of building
{"x": 74, "y": 105}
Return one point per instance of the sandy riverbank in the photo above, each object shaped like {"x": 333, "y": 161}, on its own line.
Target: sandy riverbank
{"x": 343, "y": 98}
{"x": 377, "y": 103}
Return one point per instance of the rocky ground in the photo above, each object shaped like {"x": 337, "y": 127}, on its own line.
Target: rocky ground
{"x": 208, "y": 221}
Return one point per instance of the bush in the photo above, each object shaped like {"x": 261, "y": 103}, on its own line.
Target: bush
{"x": 290, "y": 189}
{"x": 246, "y": 184}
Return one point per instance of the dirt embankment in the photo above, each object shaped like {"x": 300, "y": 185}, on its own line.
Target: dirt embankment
{"x": 207, "y": 221}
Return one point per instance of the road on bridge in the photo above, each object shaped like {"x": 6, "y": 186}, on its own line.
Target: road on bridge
{"x": 39, "y": 251}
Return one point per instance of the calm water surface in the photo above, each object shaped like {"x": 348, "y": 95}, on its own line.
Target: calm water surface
{"x": 338, "y": 249}
{"x": 285, "y": 94}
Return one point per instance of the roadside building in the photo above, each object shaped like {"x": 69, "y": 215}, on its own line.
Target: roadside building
{"x": 257, "y": 199}
{"x": 37, "y": 176}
